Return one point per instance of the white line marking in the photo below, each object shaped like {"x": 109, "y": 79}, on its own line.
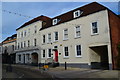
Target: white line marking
{"x": 21, "y": 76}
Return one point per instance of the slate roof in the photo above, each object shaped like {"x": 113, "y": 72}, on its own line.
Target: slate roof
{"x": 87, "y": 9}
{"x": 42, "y": 18}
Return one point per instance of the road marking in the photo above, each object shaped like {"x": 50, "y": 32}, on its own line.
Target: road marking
{"x": 21, "y": 76}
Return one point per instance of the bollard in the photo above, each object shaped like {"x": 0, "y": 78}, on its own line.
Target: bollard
{"x": 65, "y": 66}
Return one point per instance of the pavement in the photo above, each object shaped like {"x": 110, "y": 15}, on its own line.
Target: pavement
{"x": 72, "y": 73}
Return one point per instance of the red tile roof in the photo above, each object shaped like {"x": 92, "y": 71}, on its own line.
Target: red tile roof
{"x": 10, "y": 39}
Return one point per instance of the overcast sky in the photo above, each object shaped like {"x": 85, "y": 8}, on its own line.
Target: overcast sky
{"x": 10, "y": 21}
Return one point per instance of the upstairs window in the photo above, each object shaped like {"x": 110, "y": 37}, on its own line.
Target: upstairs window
{"x": 43, "y": 38}
{"x": 35, "y": 41}
{"x": 65, "y": 34}
{"x": 35, "y": 29}
{"x": 94, "y": 28}
{"x": 28, "y": 43}
{"x": 24, "y": 44}
{"x": 25, "y": 33}
{"x": 76, "y": 13}
{"x": 54, "y": 21}
{"x": 77, "y": 31}
{"x": 49, "y": 38}
{"x": 21, "y": 34}
{"x": 55, "y": 36}
{"x": 21, "y": 45}
{"x": 29, "y": 31}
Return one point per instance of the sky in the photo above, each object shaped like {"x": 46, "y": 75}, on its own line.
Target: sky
{"x": 10, "y": 21}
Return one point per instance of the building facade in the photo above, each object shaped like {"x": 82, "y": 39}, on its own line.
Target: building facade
{"x": 84, "y": 37}
{"x": 8, "y": 49}
{"x": 28, "y": 49}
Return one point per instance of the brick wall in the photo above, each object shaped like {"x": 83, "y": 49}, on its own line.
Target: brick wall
{"x": 114, "y": 22}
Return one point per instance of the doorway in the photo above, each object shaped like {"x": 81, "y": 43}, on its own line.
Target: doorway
{"x": 34, "y": 58}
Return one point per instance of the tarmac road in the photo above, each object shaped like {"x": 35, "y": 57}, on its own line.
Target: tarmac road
{"x": 26, "y": 73}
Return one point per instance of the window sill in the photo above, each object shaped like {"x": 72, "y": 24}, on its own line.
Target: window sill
{"x": 49, "y": 57}
{"x": 55, "y": 41}
{"x": 49, "y": 43}
{"x": 43, "y": 43}
{"x": 77, "y": 37}
{"x": 78, "y": 56}
{"x": 65, "y": 39}
{"x": 66, "y": 57}
{"x": 93, "y": 34}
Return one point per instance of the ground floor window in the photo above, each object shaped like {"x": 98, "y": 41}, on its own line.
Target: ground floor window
{"x": 43, "y": 53}
{"x": 28, "y": 56}
{"x": 49, "y": 53}
{"x": 78, "y": 50}
{"x": 66, "y": 52}
{"x": 19, "y": 57}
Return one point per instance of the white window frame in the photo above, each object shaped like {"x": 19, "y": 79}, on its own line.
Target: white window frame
{"x": 21, "y": 45}
{"x": 19, "y": 57}
{"x": 25, "y": 33}
{"x": 48, "y": 38}
{"x": 29, "y": 31}
{"x": 42, "y": 53}
{"x": 74, "y": 13}
{"x": 64, "y": 34}
{"x": 54, "y": 36}
{"x": 48, "y": 53}
{"x": 92, "y": 29}
{"x": 43, "y": 39}
{"x": 24, "y": 43}
{"x": 35, "y": 31}
{"x": 22, "y": 34}
{"x": 35, "y": 42}
{"x": 64, "y": 52}
{"x": 76, "y": 31}
{"x": 54, "y": 21}
{"x": 28, "y": 43}
{"x": 76, "y": 51}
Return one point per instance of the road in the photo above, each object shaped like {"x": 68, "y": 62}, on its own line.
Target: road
{"x": 20, "y": 72}
{"x": 28, "y": 72}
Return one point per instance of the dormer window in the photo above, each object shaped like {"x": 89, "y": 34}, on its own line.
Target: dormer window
{"x": 76, "y": 13}
{"x": 55, "y": 21}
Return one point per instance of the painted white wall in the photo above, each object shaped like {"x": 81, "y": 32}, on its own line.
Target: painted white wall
{"x": 30, "y": 35}
{"x": 9, "y": 47}
{"x": 86, "y": 40}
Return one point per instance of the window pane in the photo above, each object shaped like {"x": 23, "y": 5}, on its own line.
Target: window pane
{"x": 49, "y": 52}
{"x": 94, "y": 27}
{"x": 77, "y": 31}
{"x": 78, "y": 48}
{"x": 56, "y": 36}
{"x": 43, "y": 53}
{"x": 49, "y": 37}
{"x": 43, "y": 38}
{"x": 66, "y": 51}
{"x": 66, "y": 34}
